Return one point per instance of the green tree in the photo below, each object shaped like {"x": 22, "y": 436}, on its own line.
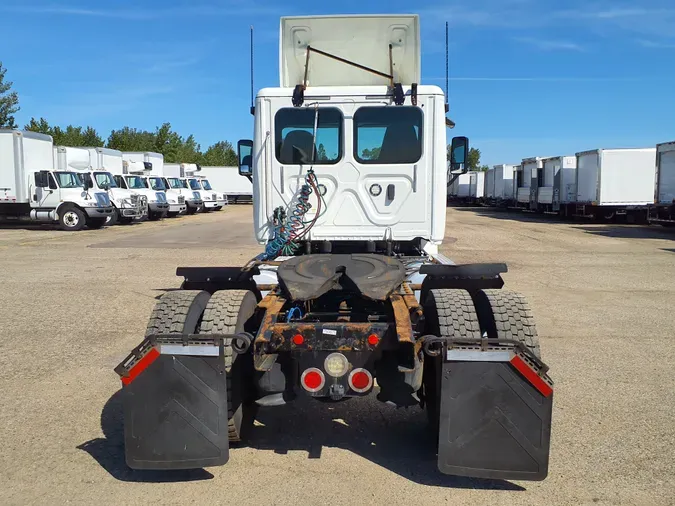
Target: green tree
{"x": 40, "y": 126}
{"x": 9, "y": 101}
{"x": 321, "y": 153}
{"x": 371, "y": 154}
{"x": 220, "y": 154}
{"x": 130, "y": 139}
{"x": 90, "y": 137}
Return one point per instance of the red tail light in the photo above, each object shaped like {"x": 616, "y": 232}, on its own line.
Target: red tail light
{"x": 312, "y": 379}
{"x": 360, "y": 380}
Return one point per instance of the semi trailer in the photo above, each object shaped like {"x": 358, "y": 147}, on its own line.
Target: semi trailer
{"x": 533, "y": 178}
{"x": 615, "y": 182}
{"x": 349, "y": 295}
{"x": 226, "y": 179}
{"x": 476, "y": 186}
{"x": 32, "y": 190}
{"x": 499, "y": 185}
{"x": 557, "y": 189}
{"x": 89, "y": 165}
{"x": 663, "y": 209}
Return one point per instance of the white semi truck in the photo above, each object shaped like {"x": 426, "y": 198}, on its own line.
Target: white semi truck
{"x": 350, "y": 288}
{"x": 89, "y": 163}
{"x": 32, "y": 190}
{"x": 134, "y": 177}
{"x": 175, "y": 180}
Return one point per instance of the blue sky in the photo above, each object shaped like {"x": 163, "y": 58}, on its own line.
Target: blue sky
{"x": 528, "y": 77}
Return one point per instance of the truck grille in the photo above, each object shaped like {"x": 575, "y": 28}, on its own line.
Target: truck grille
{"x": 181, "y": 199}
{"x": 134, "y": 199}
{"x": 214, "y": 197}
{"x": 102, "y": 200}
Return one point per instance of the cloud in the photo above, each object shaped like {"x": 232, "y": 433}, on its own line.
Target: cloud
{"x": 656, "y": 45}
{"x": 550, "y": 45}
{"x": 235, "y": 9}
{"x": 551, "y": 79}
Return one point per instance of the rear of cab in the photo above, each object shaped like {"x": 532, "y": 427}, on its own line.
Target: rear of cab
{"x": 381, "y": 168}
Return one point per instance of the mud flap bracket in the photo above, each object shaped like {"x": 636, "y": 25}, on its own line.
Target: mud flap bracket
{"x": 175, "y": 403}
{"x": 495, "y": 413}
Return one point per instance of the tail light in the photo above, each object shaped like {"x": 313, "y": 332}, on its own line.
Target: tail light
{"x": 312, "y": 379}
{"x": 360, "y": 380}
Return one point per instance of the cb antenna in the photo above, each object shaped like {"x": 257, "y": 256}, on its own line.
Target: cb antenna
{"x": 447, "y": 71}
{"x": 252, "y": 99}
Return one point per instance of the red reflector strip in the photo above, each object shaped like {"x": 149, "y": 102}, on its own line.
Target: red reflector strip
{"x": 140, "y": 366}
{"x": 531, "y": 376}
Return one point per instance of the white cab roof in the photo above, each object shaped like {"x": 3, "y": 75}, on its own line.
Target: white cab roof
{"x": 361, "y": 39}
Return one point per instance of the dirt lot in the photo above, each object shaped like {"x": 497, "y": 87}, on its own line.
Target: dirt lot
{"x": 73, "y": 305}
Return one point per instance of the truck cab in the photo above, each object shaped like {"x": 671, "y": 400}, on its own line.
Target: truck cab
{"x": 193, "y": 199}
{"x": 174, "y": 198}
{"x": 213, "y": 200}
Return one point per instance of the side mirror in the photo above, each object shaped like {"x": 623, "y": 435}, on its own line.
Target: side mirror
{"x": 245, "y": 156}
{"x": 88, "y": 183}
{"x": 459, "y": 151}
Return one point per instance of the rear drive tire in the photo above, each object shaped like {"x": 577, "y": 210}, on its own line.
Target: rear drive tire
{"x": 507, "y": 315}
{"x": 448, "y": 313}
{"x": 178, "y": 312}
{"x": 72, "y": 219}
{"x": 227, "y": 312}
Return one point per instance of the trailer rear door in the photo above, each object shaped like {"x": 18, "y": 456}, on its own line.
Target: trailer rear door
{"x": 666, "y": 193}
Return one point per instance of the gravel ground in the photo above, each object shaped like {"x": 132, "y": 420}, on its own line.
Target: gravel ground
{"x": 74, "y": 304}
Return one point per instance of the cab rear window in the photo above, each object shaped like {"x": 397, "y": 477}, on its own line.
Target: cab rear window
{"x": 391, "y": 135}
{"x": 293, "y": 135}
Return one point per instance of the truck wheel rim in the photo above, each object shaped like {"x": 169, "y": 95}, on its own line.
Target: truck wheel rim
{"x": 71, "y": 219}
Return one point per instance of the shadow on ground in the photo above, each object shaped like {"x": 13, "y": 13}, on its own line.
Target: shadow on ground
{"x": 630, "y": 231}
{"x": 397, "y": 440}
{"x": 510, "y": 214}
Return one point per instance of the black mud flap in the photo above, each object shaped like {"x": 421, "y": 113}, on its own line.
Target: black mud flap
{"x": 494, "y": 422}
{"x": 175, "y": 411}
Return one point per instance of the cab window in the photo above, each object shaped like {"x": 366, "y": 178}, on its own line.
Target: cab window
{"x": 391, "y": 135}
{"x": 120, "y": 181}
{"x": 294, "y": 132}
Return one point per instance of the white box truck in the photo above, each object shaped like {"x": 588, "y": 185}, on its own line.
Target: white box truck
{"x": 613, "y": 182}
{"x": 237, "y": 188}
{"x": 89, "y": 163}
{"x": 558, "y": 188}
{"x": 499, "y": 184}
{"x": 135, "y": 170}
{"x": 31, "y": 190}
{"x": 173, "y": 178}
{"x": 157, "y": 182}
{"x": 663, "y": 209}
{"x": 211, "y": 199}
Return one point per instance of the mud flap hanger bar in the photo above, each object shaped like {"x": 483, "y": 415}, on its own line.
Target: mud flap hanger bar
{"x": 495, "y": 350}
{"x": 211, "y": 345}
{"x": 398, "y": 93}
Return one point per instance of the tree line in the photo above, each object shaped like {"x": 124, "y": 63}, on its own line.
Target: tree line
{"x": 164, "y": 140}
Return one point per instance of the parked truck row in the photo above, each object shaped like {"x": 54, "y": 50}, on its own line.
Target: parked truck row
{"x": 637, "y": 183}
{"x": 95, "y": 187}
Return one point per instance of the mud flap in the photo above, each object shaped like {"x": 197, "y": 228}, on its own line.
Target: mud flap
{"x": 495, "y": 417}
{"x": 175, "y": 410}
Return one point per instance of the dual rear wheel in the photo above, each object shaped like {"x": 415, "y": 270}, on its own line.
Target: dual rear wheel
{"x": 455, "y": 313}
{"x": 224, "y": 312}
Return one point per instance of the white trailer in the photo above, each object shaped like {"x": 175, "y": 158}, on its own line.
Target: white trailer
{"x": 558, "y": 187}
{"x": 532, "y": 178}
{"x": 89, "y": 164}
{"x": 663, "y": 210}
{"x": 227, "y": 180}
{"x": 499, "y": 184}
{"x": 613, "y": 182}
{"x": 476, "y": 186}
{"x": 31, "y": 190}
{"x": 522, "y": 182}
